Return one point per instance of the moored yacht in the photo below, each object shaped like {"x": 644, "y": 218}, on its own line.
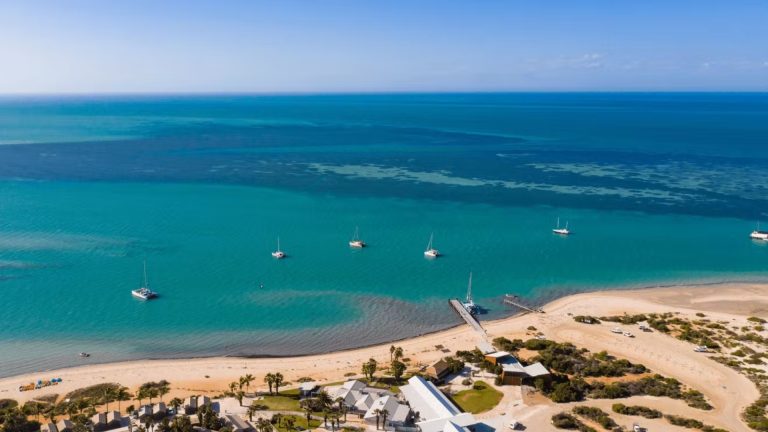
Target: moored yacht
{"x": 143, "y": 292}
{"x": 431, "y": 252}
{"x": 561, "y": 231}
{"x": 759, "y": 235}
{"x": 469, "y": 304}
{"x": 356, "y": 242}
{"x": 279, "y": 254}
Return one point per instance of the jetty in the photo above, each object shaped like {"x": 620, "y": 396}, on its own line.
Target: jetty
{"x": 514, "y": 301}
{"x": 466, "y": 316}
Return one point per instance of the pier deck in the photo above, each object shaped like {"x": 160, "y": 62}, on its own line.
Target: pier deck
{"x": 472, "y": 321}
{"x": 511, "y": 300}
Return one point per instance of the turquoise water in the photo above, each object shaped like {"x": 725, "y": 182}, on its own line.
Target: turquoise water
{"x": 202, "y": 187}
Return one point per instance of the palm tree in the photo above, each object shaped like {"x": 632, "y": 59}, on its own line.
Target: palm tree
{"x": 324, "y": 399}
{"x": 239, "y": 396}
{"x": 398, "y": 353}
{"x": 384, "y": 413}
{"x": 340, "y": 402}
{"x": 122, "y": 395}
{"x": 175, "y": 403}
{"x": 378, "y": 413}
{"x": 278, "y": 382}
{"x": 232, "y": 386}
{"x": 109, "y": 395}
{"x": 252, "y": 410}
{"x": 163, "y": 390}
{"x": 269, "y": 379}
{"x": 289, "y": 422}
{"x": 248, "y": 379}
{"x": 391, "y": 353}
{"x": 141, "y": 394}
{"x": 308, "y": 412}
{"x": 152, "y": 393}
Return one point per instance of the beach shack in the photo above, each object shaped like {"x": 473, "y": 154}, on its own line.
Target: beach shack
{"x": 308, "y": 389}
{"x": 438, "y": 370}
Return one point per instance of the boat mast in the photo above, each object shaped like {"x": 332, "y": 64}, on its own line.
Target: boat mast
{"x": 357, "y": 234}
{"x": 429, "y": 246}
{"x": 278, "y": 243}
{"x": 146, "y": 283}
{"x": 469, "y": 289}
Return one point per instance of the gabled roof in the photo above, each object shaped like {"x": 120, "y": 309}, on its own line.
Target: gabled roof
{"x": 365, "y": 402}
{"x": 536, "y": 369}
{"x": 498, "y": 354}
{"x": 354, "y": 385}
{"x": 393, "y": 407}
{"x": 425, "y": 398}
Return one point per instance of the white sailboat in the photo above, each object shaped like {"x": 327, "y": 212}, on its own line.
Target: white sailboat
{"x": 278, "y": 254}
{"x": 144, "y": 293}
{"x": 431, "y": 252}
{"x": 469, "y": 304}
{"x": 356, "y": 242}
{"x": 561, "y": 231}
{"x": 759, "y": 235}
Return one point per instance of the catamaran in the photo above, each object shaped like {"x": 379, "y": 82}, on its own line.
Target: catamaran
{"x": 468, "y": 304}
{"x": 356, "y": 242}
{"x": 431, "y": 252}
{"x": 144, "y": 293}
{"x": 278, "y": 253}
{"x": 759, "y": 235}
{"x": 561, "y": 231}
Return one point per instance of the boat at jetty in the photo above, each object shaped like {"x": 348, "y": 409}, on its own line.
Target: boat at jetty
{"x": 144, "y": 293}
{"x": 356, "y": 242}
{"x": 469, "y": 304}
{"x": 561, "y": 231}
{"x": 431, "y": 252}
{"x": 279, "y": 254}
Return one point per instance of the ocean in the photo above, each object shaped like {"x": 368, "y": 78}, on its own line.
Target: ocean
{"x": 657, "y": 189}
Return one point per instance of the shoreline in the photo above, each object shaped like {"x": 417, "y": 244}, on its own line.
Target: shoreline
{"x": 540, "y": 304}
{"x": 728, "y": 391}
{"x": 549, "y": 305}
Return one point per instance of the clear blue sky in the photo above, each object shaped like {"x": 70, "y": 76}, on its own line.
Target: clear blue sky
{"x": 94, "y": 46}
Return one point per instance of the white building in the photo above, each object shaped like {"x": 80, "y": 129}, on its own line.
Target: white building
{"x": 356, "y": 395}
{"x": 397, "y": 413}
{"x": 433, "y": 411}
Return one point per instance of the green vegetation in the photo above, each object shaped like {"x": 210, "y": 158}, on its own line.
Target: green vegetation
{"x": 369, "y": 369}
{"x": 481, "y": 398}
{"x": 691, "y": 423}
{"x": 284, "y": 401}
{"x": 94, "y": 392}
{"x": 757, "y": 320}
{"x": 504, "y": 344}
{"x": 289, "y": 423}
{"x": 597, "y": 415}
{"x": 586, "y": 319}
{"x": 567, "y": 421}
{"x": 567, "y": 359}
{"x": 636, "y": 410}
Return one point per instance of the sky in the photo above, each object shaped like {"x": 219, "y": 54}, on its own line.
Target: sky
{"x": 337, "y": 46}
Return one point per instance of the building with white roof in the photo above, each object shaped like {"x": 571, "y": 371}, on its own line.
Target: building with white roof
{"x": 397, "y": 413}
{"x": 433, "y": 411}
{"x": 356, "y": 396}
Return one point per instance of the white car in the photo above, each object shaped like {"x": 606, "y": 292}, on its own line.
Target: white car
{"x": 617, "y": 330}
{"x": 701, "y": 349}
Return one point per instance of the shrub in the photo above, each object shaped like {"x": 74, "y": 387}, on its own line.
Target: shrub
{"x": 597, "y": 415}
{"x": 636, "y": 410}
{"x": 755, "y": 319}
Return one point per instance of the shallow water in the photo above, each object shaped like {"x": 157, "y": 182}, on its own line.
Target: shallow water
{"x": 657, "y": 189}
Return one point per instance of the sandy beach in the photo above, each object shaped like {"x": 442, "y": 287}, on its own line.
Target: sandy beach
{"x": 728, "y": 391}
